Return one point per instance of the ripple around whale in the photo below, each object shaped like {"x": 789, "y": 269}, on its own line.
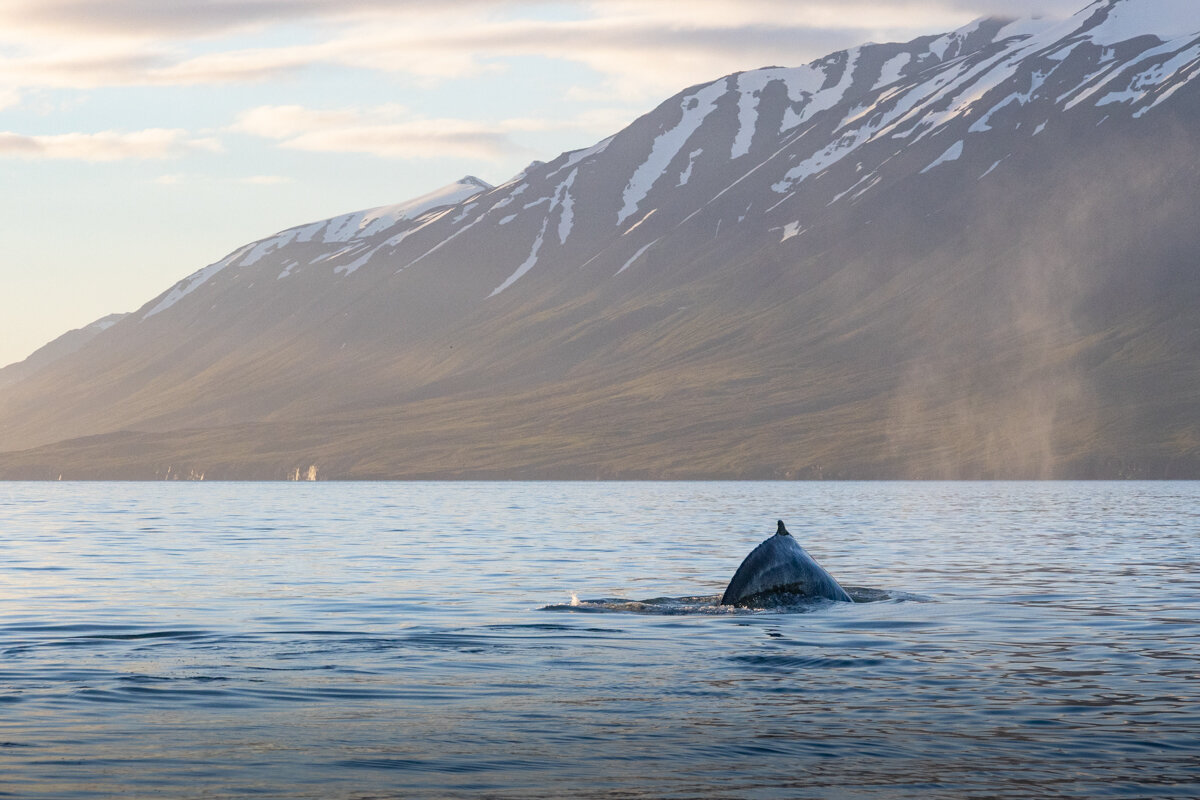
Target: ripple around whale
{"x": 336, "y": 662}
{"x": 781, "y": 603}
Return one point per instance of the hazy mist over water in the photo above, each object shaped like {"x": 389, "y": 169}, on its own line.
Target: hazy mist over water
{"x": 321, "y": 640}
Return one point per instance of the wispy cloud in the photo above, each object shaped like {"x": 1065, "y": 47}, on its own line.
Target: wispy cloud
{"x": 384, "y": 131}
{"x": 187, "y": 179}
{"x": 283, "y": 122}
{"x": 187, "y": 18}
{"x": 264, "y": 180}
{"x": 153, "y": 143}
{"x": 636, "y": 44}
{"x": 207, "y": 18}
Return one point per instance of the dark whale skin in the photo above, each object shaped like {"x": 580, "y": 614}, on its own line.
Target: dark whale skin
{"x": 780, "y": 567}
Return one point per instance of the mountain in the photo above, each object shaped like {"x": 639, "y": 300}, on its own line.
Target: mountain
{"x": 972, "y": 255}
{"x": 52, "y": 351}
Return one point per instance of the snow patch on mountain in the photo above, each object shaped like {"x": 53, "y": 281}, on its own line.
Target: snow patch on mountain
{"x": 1172, "y": 64}
{"x": 966, "y": 88}
{"x": 367, "y": 223}
{"x": 562, "y": 198}
{"x": 372, "y": 221}
{"x": 462, "y": 229}
{"x": 695, "y": 107}
{"x": 638, "y": 224}
{"x": 953, "y": 153}
{"x": 194, "y": 282}
{"x": 395, "y": 241}
{"x": 960, "y": 95}
{"x": 347, "y": 228}
{"x": 1184, "y": 64}
{"x": 906, "y": 105}
{"x": 350, "y": 249}
{"x": 305, "y": 233}
{"x": 978, "y": 81}
{"x": 791, "y": 230}
{"x": 893, "y": 67}
{"x": 1178, "y": 82}
{"x": 749, "y": 91}
{"x": 1127, "y": 19}
{"x": 348, "y": 269}
{"x": 991, "y": 169}
{"x": 268, "y": 246}
{"x": 527, "y": 264}
{"x": 101, "y": 325}
{"x": 686, "y": 175}
{"x": 576, "y": 156}
{"x": 804, "y": 87}
{"x": 635, "y": 257}
{"x": 983, "y": 124}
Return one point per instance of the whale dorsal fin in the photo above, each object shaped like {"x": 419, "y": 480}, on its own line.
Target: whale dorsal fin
{"x": 781, "y": 531}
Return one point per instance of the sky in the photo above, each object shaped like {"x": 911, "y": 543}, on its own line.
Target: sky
{"x": 141, "y": 140}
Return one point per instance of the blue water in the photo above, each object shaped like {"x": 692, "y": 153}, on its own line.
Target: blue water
{"x": 400, "y": 640}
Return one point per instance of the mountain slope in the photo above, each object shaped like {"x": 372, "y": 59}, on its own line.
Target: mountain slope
{"x": 52, "y": 351}
{"x": 971, "y": 255}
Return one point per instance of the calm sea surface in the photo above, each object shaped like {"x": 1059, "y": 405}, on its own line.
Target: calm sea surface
{"x": 395, "y": 640}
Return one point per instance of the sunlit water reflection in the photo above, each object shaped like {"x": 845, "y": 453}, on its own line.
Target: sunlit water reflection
{"x": 418, "y": 640}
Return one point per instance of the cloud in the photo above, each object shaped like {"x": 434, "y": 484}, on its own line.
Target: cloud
{"x": 183, "y": 179}
{"x": 425, "y": 139}
{"x": 153, "y": 143}
{"x": 634, "y": 43}
{"x": 643, "y": 53}
{"x": 1048, "y": 8}
{"x": 185, "y": 19}
{"x": 146, "y": 65}
{"x": 645, "y": 47}
{"x": 642, "y": 57}
{"x": 282, "y": 122}
{"x": 386, "y": 131}
{"x": 264, "y": 180}
{"x": 240, "y": 66}
{"x": 189, "y": 18}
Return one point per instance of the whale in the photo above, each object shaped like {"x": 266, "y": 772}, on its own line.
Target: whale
{"x": 778, "y": 570}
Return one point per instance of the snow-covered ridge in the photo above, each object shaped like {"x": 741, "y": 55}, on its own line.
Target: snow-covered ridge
{"x": 194, "y": 282}
{"x": 364, "y": 224}
{"x": 777, "y": 131}
{"x": 966, "y": 87}
{"x": 810, "y": 89}
{"x": 371, "y": 221}
{"x": 104, "y": 323}
{"x": 1122, "y": 20}
{"x": 694, "y": 108}
{"x": 342, "y": 230}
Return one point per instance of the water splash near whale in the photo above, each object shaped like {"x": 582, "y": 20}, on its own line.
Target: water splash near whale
{"x": 710, "y": 605}
{"x": 778, "y": 576}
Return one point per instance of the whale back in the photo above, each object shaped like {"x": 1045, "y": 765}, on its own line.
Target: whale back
{"x": 780, "y": 566}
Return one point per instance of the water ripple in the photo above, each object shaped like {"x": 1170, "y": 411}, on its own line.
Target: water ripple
{"x": 339, "y": 642}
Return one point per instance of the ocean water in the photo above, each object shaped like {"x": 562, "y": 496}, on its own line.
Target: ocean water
{"x": 418, "y": 640}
